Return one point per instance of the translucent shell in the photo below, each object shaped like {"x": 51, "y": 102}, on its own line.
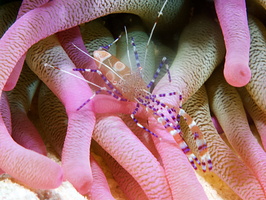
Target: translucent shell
{"x": 106, "y": 58}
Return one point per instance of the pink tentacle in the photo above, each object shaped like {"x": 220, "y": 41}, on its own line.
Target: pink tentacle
{"x": 72, "y": 92}
{"x": 179, "y": 173}
{"x": 101, "y": 104}
{"x": 14, "y": 76}
{"x": 8, "y": 14}
{"x": 100, "y": 188}
{"x": 25, "y": 7}
{"x": 190, "y": 71}
{"x": 226, "y": 164}
{"x": 257, "y": 115}
{"x": 111, "y": 133}
{"x": 5, "y": 112}
{"x": 77, "y": 142}
{"x": 68, "y": 39}
{"x": 126, "y": 182}
{"x": 25, "y": 134}
{"x": 21, "y": 164}
{"x": 18, "y": 161}
{"x": 226, "y": 105}
{"x": 28, "y": 5}
{"x": 20, "y": 99}
{"x": 232, "y": 16}
{"x": 257, "y": 87}
{"x": 144, "y": 136}
{"x": 6, "y": 115}
{"x": 76, "y": 168}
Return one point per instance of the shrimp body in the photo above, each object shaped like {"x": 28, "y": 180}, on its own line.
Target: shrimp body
{"x": 131, "y": 86}
{"x": 121, "y": 76}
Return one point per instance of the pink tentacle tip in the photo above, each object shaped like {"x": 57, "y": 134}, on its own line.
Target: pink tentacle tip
{"x": 79, "y": 176}
{"x": 237, "y": 74}
{"x": 85, "y": 188}
{"x": 58, "y": 180}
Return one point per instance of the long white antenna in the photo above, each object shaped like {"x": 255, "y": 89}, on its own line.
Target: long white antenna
{"x": 152, "y": 30}
{"x": 67, "y": 72}
{"x": 128, "y": 56}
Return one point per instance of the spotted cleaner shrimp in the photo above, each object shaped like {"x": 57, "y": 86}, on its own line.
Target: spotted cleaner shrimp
{"x": 118, "y": 78}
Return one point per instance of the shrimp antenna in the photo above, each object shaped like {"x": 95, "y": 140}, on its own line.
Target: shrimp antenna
{"x": 107, "y": 47}
{"x": 67, "y": 72}
{"x": 152, "y": 30}
{"x": 129, "y": 60}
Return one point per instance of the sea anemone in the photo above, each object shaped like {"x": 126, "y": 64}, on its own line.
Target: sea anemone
{"x": 216, "y": 63}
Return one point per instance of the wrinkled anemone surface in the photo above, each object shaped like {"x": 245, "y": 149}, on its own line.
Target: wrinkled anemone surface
{"x": 217, "y": 63}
